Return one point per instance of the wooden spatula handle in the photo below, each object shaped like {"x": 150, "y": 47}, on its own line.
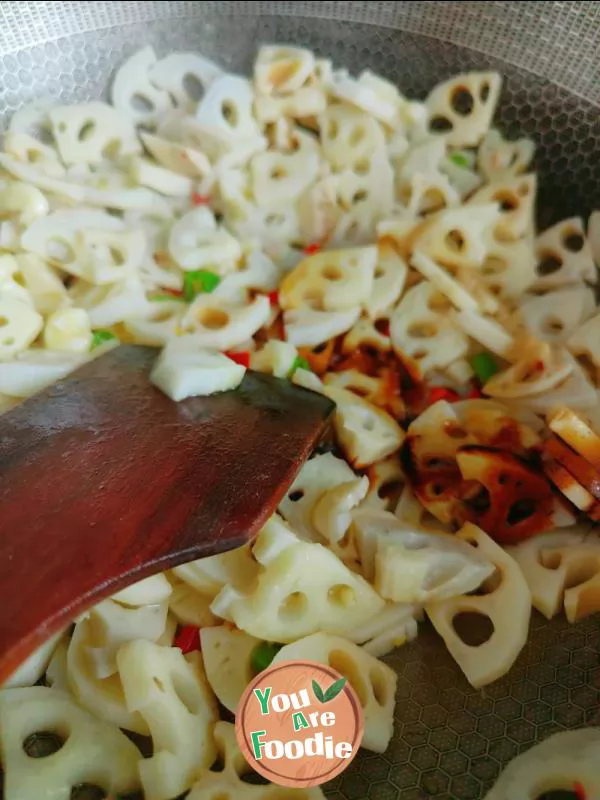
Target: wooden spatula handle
{"x": 104, "y": 480}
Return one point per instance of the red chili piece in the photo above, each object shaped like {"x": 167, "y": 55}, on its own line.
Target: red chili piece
{"x": 174, "y": 292}
{"x": 474, "y": 394}
{"x": 200, "y": 199}
{"x": 311, "y": 249}
{"x": 240, "y": 358}
{"x": 579, "y": 790}
{"x": 442, "y": 393}
{"x": 188, "y": 639}
{"x": 273, "y": 298}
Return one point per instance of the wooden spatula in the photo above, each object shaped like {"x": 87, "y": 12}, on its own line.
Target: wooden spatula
{"x": 105, "y": 480}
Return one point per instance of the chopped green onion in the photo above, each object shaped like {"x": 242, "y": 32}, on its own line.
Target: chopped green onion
{"x": 262, "y": 655}
{"x": 200, "y": 281}
{"x": 460, "y": 160}
{"x": 299, "y": 363}
{"x": 484, "y": 366}
{"x": 100, "y": 336}
{"x": 165, "y": 298}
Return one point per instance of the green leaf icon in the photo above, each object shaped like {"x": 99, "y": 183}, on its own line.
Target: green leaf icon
{"x": 335, "y": 689}
{"x": 318, "y": 692}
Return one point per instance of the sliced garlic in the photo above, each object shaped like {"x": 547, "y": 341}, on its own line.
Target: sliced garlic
{"x": 68, "y": 329}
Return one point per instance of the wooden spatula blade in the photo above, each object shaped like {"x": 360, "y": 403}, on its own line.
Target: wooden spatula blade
{"x": 104, "y": 480}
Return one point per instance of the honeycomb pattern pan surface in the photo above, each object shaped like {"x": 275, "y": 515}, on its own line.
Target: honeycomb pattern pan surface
{"x": 450, "y": 740}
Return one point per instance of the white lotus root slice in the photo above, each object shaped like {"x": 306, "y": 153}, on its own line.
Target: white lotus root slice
{"x": 564, "y": 255}
{"x": 114, "y": 303}
{"x": 156, "y": 681}
{"x": 279, "y": 178}
{"x": 372, "y": 94}
{"x": 68, "y": 329}
{"x": 507, "y": 607}
{"x": 102, "y": 694}
{"x": 456, "y": 237}
{"x": 389, "y": 280}
{"x": 302, "y": 590}
{"x": 332, "y": 512}
{"x": 258, "y": 273}
{"x": 34, "y": 667}
{"x": 281, "y": 70}
{"x": 94, "y": 752}
{"x": 30, "y": 150}
{"x": 177, "y": 157}
{"x": 306, "y": 102}
{"x": 516, "y": 197}
{"x": 464, "y": 106}
{"x": 148, "y": 591}
{"x": 533, "y": 374}
{"x": 564, "y": 760}
{"x": 111, "y": 623}
{"x": 365, "y": 433}
{"x": 34, "y": 370}
{"x": 463, "y": 180}
{"x": 498, "y": 158}
{"x": 372, "y": 680}
{"x": 365, "y": 194}
{"x": 320, "y": 474}
{"x": 413, "y": 566}
{"x": 394, "y": 626}
{"x": 275, "y": 358}
{"x": 165, "y": 181}
{"x": 306, "y": 327}
{"x": 177, "y": 71}
{"x": 576, "y": 392}
{"x": 426, "y": 194}
{"x": 134, "y": 95}
{"x": 23, "y": 200}
{"x": 318, "y": 210}
{"x": 90, "y": 132}
{"x": 227, "y": 655}
{"x": 185, "y": 369}
{"x": 334, "y": 280}
{"x": 421, "y": 329}
{"x": 160, "y": 325}
{"x": 196, "y": 241}
{"x": 109, "y": 256}
{"x": 348, "y": 135}
{"x": 227, "y": 109}
{"x": 209, "y": 575}
{"x": 188, "y": 607}
{"x": 11, "y": 281}
{"x": 221, "y": 325}
{"x": 53, "y": 237}
{"x": 555, "y": 316}
{"x": 365, "y": 334}
{"x": 547, "y": 584}
{"x": 580, "y": 564}
{"x": 19, "y": 325}
{"x": 228, "y": 782}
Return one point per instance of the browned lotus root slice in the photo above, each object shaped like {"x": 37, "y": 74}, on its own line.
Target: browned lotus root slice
{"x": 579, "y": 468}
{"x": 566, "y": 483}
{"x": 435, "y": 480}
{"x": 577, "y": 433}
{"x": 519, "y": 501}
{"x": 318, "y": 357}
